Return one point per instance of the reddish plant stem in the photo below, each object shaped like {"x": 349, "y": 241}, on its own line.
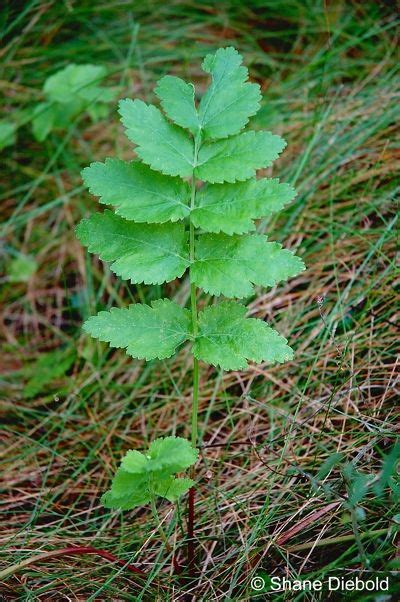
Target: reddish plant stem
{"x": 177, "y": 566}
{"x": 190, "y": 530}
{"x": 80, "y": 551}
{"x": 112, "y": 558}
{"x": 71, "y": 550}
{"x": 103, "y": 554}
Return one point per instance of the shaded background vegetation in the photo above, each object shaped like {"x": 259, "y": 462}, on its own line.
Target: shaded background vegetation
{"x": 298, "y": 468}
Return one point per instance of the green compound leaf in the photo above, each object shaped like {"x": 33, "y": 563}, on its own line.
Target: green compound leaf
{"x": 229, "y": 265}
{"x": 239, "y": 157}
{"x": 146, "y": 332}
{"x": 177, "y": 100}
{"x": 230, "y": 100}
{"x": 77, "y": 81}
{"x": 141, "y": 477}
{"x": 227, "y": 339}
{"x": 69, "y": 92}
{"x": 137, "y": 192}
{"x": 160, "y": 144}
{"x": 148, "y": 253}
{"x": 231, "y": 208}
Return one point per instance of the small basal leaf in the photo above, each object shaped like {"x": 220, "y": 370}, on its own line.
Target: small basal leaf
{"x": 239, "y": 157}
{"x": 22, "y": 268}
{"x": 127, "y": 491}
{"x": 230, "y": 100}
{"x": 228, "y": 339}
{"x": 166, "y": 456}
{"x": 49, "y": 367}
{"x": 160, "y": 144}
{"x": 389, "y": 472}
{"x": 142, "y": 476}
{"x": 137, "y": 192}
{"x": 171, "y": 454}
{"x": 172, "y": 489}
{"x": 177, "y": 100}
{"x": 75, "y": 81}
{"x": 135, "y": 462}
{"x": 127, "y": 502}
{"x": 98, "y": 111}
{"x": 231, "y": 208}
{"x": 44, "y": 119}
{"x": 230, "y": 265}
{"x": 123, "y": 484}
{"x": 7, "y": 133}
{"x": 149, "y": 253}
{"x": 358, "y": 484}
{"x": 331, "y": 461}
{"x": 145, "y": 332}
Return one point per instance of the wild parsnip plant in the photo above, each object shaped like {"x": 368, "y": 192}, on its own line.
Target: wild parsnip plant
{"x": 189, "y": 205}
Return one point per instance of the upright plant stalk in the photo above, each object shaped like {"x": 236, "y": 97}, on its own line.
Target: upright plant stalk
{"x": 195, "y": 393}
{"x": 193, "y": 299}
{"x": 146, "y": 241}
{"x": 195, "y": 396}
